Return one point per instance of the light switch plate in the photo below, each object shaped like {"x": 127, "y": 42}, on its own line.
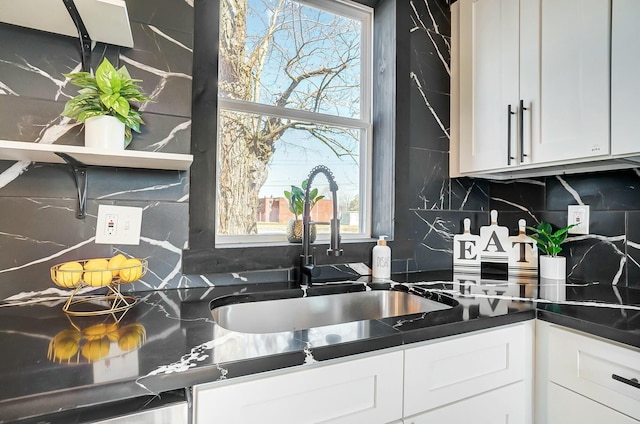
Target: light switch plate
{"x": 578, "y": 214}
{"x": 118, "y": 225}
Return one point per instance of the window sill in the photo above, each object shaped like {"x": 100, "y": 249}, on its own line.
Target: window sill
{"x": 251, "y": 257}
{"x": 318, "y": 242}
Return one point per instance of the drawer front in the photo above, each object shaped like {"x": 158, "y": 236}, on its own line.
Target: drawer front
{"x": 566, "y": 406}
{"x": 454, "y": 369}
{"x": 367, "y": 390}
{"x": 597, "y": 369}
{"x": 505, "y": 405}
{"x": 174, "y": 414}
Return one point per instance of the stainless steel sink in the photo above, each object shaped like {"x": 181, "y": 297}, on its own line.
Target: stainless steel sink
{"x": 274, "y": 316}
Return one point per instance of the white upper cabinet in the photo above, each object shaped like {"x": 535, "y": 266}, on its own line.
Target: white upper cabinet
{"x": 533, "y": 83}
{"x": 625, "y": 69}
{"x": 489, "y": 83}
{"x": 574, "y": 80}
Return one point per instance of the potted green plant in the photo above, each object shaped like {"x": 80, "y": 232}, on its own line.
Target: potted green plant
{"x": 295, "y": 198}
{"x": 105, "y": 104}
{"x": 552, "y": 266}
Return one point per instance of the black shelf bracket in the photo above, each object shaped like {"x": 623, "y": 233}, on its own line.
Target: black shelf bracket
{"x": 79, "y": 171}
{"x": 85, "y": 40}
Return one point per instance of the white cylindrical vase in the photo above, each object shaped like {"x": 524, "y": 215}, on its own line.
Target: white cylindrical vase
{"x": 104, "y": 132}
{"x": 553, "y": 290}
{"x": 553, "y": 267}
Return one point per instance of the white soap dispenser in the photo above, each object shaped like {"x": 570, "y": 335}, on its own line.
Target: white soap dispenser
{"x": 381, "y": 260}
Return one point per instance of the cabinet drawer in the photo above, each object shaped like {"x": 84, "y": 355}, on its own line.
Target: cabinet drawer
{"x": 174, "y": 414}
{"x": 367, "y": 390}
{"x": 570, "y": 407}
{"x": 454, "y": 369}
{"x": 504, "y": 405}
{"x": 594, "y": 367}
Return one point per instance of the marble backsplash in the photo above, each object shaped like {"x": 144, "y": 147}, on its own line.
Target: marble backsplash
{"x": 609, "y": 254}
{"x": 38, "y": 226}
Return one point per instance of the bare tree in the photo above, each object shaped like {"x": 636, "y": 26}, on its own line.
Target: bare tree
{"x": 285, "y": 57}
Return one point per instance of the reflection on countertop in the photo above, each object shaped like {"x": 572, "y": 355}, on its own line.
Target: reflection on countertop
{"x": 169, "y": 340}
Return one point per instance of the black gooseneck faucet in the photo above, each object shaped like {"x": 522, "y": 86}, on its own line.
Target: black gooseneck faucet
{"x": 308, "y": 269}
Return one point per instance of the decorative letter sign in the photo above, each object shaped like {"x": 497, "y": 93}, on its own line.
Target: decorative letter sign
{"x": 523, "y": 252}
{"x": 494, "y": 240}
{"x": 465, "y": 249}
{"x": 494, "y": 252}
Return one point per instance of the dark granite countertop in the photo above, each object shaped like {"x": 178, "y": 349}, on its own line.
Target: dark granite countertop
{"x": 168, "y": 340}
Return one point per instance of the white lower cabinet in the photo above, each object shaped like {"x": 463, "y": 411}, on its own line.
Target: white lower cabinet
{"x": 585, "y": 375}
{"x": 506, "y": 405}
{"x": 484, "y": 375}
{"x": 366, "y": 390}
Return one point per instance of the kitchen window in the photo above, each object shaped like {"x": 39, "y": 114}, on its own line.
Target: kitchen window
{"x": 205, "y": 252}
{"x": 294, "y": 91}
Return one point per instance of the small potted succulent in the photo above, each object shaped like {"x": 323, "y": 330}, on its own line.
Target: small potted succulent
{"x": 295, "y": 198}
{"x": 105, "y": 104}
{"x": 552, "y": 266}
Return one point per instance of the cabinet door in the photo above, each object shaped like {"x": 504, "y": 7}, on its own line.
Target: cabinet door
{"x": 488, "y": 55}
{"x": 461, "y": 367}
{"x": 574, "y": 80}
{"x": 505, "y": 405}
{"x": 625, "y": 84}
{"x": 566, "y": 406}
{"x": 363, "y": 390}
{"x": 597, "y": 369}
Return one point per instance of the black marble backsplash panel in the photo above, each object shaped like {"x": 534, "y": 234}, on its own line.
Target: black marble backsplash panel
{"x": 517, "y": 195}
{"x": 633, "y": 248}
{"x": 469, "y": 194}
{"x": 613, "y": 190}
{"x": 429, "y": 184}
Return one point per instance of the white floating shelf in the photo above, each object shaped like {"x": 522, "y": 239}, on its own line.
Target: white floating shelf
{"x": 107, "y": 21}
{"x": 37, "y": 152}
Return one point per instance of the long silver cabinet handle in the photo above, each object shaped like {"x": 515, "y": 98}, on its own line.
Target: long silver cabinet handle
{"x": 521, "y": 129}
{"x": 631, "y": 382}
{"x": 509, "y": 113}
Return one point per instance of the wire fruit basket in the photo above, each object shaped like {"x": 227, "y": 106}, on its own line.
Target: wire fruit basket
{"x": 109, "y": 273}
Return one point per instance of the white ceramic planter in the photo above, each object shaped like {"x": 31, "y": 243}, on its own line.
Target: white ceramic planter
{"x": 553, "y": 267}
{"x": 104, "y": 132}
{"x": 553, "y": 276}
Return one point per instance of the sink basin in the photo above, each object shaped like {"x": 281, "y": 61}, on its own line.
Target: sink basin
{"x": 273, "y": 316}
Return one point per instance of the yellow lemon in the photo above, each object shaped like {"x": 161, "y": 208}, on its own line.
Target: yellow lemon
{"x": 115, "y": 263}
{"x": 95, "y": 349}
{"x": 96, "y": 272}
{"x": 65, "y": 349}
{"x": 131, "y": 336}
{"x": 131, "y": 270}
{"x": 64, "y": 345}
{"x": 97, "y": 278}
{"x": 98, "y": 331}
{"x": 69, "y": 274}
{"x": 97, "y": 263}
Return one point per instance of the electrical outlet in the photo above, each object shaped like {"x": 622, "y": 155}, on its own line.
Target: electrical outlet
{"x": 578, "y": 214}
{"x": 118, "y": 225}
{"x": 111, "y": 225}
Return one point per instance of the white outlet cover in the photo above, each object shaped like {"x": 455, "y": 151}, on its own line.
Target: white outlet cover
{"x": 578, "y": 214}
{"x": 128, "y": 225}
